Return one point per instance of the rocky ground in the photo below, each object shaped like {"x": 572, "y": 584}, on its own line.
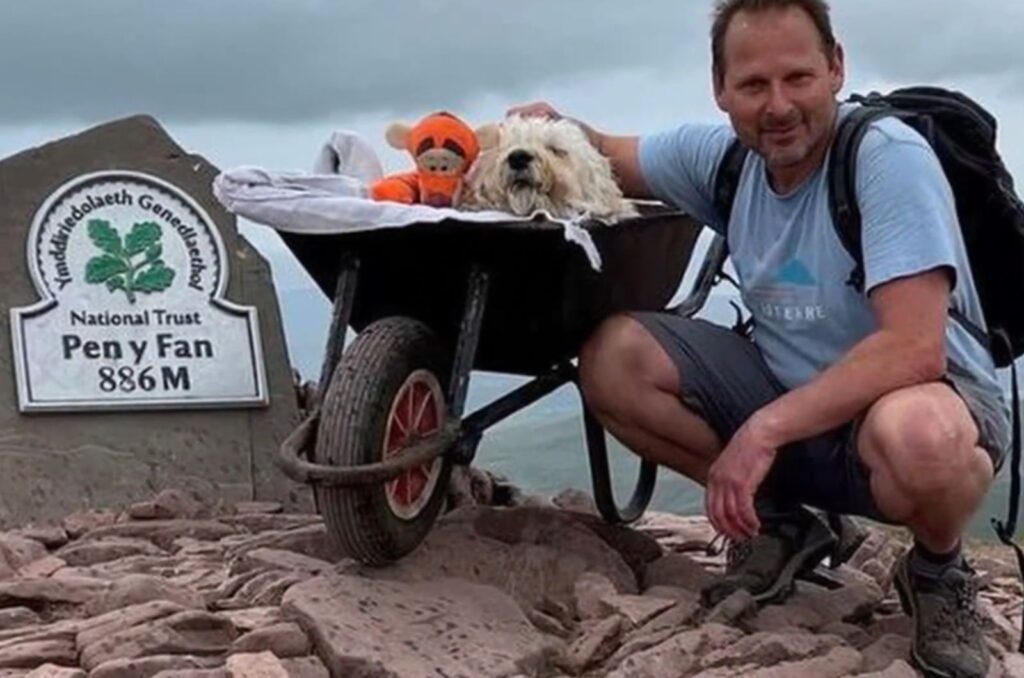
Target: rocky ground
{"x": 177, "y": 588}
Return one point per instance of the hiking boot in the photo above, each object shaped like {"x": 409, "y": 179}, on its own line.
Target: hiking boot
{"x": 948, "y": 641}
{"x": 767, "y": 564}
{"x": 849, "y": 534}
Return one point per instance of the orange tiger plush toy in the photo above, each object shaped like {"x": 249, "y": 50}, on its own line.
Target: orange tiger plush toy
{"x": 443, "y": 147}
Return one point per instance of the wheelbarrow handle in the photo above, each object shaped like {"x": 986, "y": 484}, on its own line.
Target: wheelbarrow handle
{"x": 420, "y": 452}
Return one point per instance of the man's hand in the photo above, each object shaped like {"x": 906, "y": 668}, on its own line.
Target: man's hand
{"x": 734, "y": 478}
{"x": 537, "y": 109}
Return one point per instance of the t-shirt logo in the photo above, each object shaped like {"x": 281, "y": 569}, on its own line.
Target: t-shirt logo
{"x": 795, "y": 273}
{"x": 789, "y": 297}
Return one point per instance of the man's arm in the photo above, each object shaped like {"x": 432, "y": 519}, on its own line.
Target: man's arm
{"x": 908, "y": 348}
{"x": 622, "y": 151}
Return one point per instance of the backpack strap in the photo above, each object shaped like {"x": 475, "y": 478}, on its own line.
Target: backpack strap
{"x": 842, "y": 184}
{"x": 842, "y": 196}
{"x": 727, "y": 181}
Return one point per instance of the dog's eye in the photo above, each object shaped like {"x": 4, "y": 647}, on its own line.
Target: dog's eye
{"x": 560, "y": 152}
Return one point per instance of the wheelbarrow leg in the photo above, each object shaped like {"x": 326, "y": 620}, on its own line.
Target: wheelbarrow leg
{"x": 344, "y": 294}
{"x": 469, "y": 338}
{"x": 600, "y": 475}
{"x": 464, "y": 449}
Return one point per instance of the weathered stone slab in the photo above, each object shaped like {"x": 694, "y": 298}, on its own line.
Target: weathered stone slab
{"x": 770, "y": 649}
{"x": 279, "y": 559}
{"x": 58, "y": 463}
{"x": 15, "y": 617}
{"x": 598, "y": 641}
{"x": 144, "y": 667}
{"x": 99, "y": 627}
{"x": 42, "y": 568}
{"x": 36, "y": 653}
{"x": 255, "y": 665}
{"x": 529, "y": 553}
{"x": 678, "y": 655}
{"x": 416, "y": 630}
{"x": 164, "y": 532}
{"x": 138, "y": 589}
{"x": 75, "y": 590}
{"x": 86, "y": 553}
{"x": 50, "y": 536}
{"x": 283, "y": 640}
{"x": 55, "y": 671}
{"x": 252, "y": 618}
{"x": 18, "y": 551}
{"x": 305, "y": 667}
{"x": 190, "y": 632}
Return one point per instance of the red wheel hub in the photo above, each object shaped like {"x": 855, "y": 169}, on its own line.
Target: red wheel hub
{"x": 417, "y": 411}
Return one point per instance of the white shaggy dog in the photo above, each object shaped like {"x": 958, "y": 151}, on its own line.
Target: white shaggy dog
{"x": 531, "y": 164}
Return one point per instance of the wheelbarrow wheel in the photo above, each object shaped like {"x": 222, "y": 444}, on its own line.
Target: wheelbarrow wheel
{"x": 385, "y": 389}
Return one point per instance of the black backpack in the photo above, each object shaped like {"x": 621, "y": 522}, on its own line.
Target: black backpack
{"x": 991, "y": 217}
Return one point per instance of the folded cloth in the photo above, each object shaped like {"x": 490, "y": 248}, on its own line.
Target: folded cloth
{"x": 335, "y": 198}
{"x": 349, "y": 154}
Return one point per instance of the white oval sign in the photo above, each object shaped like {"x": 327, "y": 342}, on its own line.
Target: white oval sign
{"x": 131, "y": 273}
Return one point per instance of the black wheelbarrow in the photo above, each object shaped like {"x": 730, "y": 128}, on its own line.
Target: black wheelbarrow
{"x": 432, "y": 302}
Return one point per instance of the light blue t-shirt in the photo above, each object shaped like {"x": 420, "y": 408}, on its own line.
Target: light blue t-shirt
{"x": 791, "y": 264}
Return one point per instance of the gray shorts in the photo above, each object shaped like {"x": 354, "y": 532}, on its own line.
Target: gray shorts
{"x": 725, "y": 380}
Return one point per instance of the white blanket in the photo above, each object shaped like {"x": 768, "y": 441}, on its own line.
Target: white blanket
{"x": 334, "y": 198}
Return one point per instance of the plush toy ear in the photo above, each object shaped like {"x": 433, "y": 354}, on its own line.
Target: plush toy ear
{"x": 488, "y": 136}
{"x": 397, "y": 135}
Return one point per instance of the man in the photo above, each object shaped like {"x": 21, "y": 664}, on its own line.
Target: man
{"x": 875, "y": 403}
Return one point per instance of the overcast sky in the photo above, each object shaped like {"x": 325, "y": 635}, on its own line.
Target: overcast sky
{"x": 264, "y": 82}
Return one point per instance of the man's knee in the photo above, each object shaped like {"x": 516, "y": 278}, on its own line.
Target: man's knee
{"x": 925, "y": 438}
{"x": 618, "y": 355}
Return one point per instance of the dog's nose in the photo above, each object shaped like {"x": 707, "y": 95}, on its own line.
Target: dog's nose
{"x": 519, "y": 160}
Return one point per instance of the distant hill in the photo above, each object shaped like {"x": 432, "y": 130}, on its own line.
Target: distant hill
{"x": 306, "y": 314}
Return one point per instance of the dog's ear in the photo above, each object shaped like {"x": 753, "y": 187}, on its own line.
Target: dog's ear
{"x": 397, "y": 135}
{"x": 488, "y": 136}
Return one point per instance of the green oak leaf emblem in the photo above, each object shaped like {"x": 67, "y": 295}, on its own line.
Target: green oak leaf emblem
{"x": 130, "y": 265}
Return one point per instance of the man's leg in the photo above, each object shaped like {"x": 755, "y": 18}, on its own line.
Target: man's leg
{"x": 639, "y": 374}
{"x": 920, "y": 445}
{"x": 633, "y": 389}
{"x": 927, "y": 472}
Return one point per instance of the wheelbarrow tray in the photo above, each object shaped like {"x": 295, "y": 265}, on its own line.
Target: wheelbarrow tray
{"x": 543, "y": 298}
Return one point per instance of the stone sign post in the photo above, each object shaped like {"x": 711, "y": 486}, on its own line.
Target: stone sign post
{"x": 146, "y": 343}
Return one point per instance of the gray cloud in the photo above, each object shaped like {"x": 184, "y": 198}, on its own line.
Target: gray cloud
{"x": 280, "y": 61}
{"x": 932, "y": 40}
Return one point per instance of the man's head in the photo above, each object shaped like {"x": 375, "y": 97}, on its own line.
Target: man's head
{"x": 777, "y": 69}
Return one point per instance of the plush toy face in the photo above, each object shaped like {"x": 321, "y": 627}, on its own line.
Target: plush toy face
{"x": 441, "y": 161}
{"x": 440, "y": 143}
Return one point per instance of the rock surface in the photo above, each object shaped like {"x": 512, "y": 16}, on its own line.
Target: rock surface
{"x": 171, "y": 588}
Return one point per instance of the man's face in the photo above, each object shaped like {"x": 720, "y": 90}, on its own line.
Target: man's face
{"x": 778, "y": 86}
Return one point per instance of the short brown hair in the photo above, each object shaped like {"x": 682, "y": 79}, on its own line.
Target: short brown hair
{"x": 725, "y": 10}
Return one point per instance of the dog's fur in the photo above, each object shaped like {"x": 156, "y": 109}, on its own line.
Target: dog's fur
{"x": 531, "y": 164}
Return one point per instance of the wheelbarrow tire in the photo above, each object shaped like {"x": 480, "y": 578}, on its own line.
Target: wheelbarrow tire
{"x": 392, "y": 358}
